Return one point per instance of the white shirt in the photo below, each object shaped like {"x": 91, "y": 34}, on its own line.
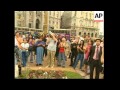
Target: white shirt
{"x": 94, "y": 44}
{"x": 101, "y": 44}
{"x": 81, "y": 38}
{"x": 25, "y": 45}
{"x": 68, "y": 42}
{"x": 103, "y": 65}
{"x": 52, "y": 45}
{"x": 23, "y": 36}
{"x": 16, "y": 42}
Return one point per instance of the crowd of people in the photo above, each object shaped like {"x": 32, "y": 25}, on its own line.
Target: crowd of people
{"x": 89, "y": 52}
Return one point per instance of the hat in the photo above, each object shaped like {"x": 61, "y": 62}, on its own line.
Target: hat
{"x": 98, "y": 39}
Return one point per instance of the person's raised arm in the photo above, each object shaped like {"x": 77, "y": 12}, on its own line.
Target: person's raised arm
{"x": 54, "y": 38}
{"x": 48, "y": 40}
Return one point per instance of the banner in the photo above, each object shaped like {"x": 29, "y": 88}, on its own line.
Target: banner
{"x": 67, "y": 36}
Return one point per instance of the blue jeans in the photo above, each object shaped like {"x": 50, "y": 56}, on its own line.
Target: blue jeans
{"x": 15, "y": 58}
{"x": 61, "y": 60}
{"x": 39, "y": 55}
{"x": 79, "y": 57}
{"x": 31, "y": 56}
{"x": 20, "y": 54}
{"x": 24, "y": 58}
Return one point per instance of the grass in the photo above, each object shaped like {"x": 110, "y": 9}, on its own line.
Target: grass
{"x": 73, "y": 75}
{"x": 69, "y": 74}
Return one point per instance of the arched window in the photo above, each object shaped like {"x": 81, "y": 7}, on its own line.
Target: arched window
{"x": 96, "y": 35}
{"x": 88, "y": 34}
{"x": 37, "y": 23}
{"x": 91, "y": 34}
{"x": 79, "y": 33}
{"x": 84, "y": 34}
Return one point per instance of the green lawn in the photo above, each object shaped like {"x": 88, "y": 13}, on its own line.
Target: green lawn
{"x": 73, "y": 75}
{"x": 70, "y": 75}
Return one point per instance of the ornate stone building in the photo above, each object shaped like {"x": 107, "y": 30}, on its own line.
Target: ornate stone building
{"x": 80, "y": 22}
{"x": 37, "y": 20}
{"x": 29, "y": 20}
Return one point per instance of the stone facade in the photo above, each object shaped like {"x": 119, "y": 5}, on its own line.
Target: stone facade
{"x": 80, "y": 21}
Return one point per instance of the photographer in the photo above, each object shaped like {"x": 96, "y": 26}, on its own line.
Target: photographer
{"x": 80, "y": 55}
{"x": 52, "y": 43}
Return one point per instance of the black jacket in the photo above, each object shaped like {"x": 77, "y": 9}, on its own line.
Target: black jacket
{"x": 92, "y": 51}
{"x": 74, "y": 47}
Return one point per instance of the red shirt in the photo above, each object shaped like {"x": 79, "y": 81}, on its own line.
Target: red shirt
{"x": 87, "y": 51}
{"x": 61, "y": 49}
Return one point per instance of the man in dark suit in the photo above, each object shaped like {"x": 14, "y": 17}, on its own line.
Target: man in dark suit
{"x": 94, "y": 59}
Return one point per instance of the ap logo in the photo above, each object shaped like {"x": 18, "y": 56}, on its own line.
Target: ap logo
{"x": 98, "y": 16}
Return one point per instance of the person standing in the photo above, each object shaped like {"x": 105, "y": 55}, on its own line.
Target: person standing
{"x": 79, "y": 38}
{"x": 51, "y": 49}
{"x": 39, "y": 51}
{"x": 73, "y": 52}
{"x": 31, "y": 47}
{"x": 18, "y": 41}
{"x": 80, "y": 55}
{"x": 36, "y": 39}
{"x": 57, "y": 49}
{"x": 94, "y": 59}
{"x": 21, "y": 41}
{"x": 87, "y": 52}
{"x": 23, "y": 36}
{"x": 67, "y": 49}
{"x": 86, "y": 40}
{"x": 62, "y": 57}
{"x": 25, "y": 47}
{"x": 45, "y": 48}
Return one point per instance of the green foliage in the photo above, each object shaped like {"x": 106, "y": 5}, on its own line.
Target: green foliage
{"x": 51, "y": 74}
{"x": 73, "y": 75}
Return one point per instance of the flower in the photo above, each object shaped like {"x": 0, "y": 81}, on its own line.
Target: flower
{"x": 44, "y": 74}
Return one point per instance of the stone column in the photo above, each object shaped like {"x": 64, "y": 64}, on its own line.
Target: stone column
{"x": 34, "y": 19}
{"x": 15, "y": 17}
{"x": 27, "y": 19}
{"x": 46, "y": 22}
{"x": 42, "y": 20}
